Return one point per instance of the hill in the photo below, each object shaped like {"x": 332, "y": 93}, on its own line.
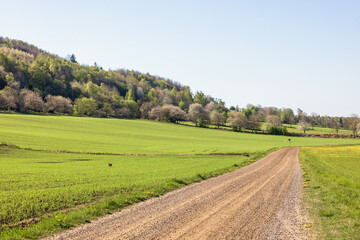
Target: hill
{"x": 33, "y": 80}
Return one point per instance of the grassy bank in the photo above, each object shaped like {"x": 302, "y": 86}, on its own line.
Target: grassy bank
{"x": 332, "y": 190}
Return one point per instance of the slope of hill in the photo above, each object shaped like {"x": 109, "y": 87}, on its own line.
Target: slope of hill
{"x": 29, "y": 75}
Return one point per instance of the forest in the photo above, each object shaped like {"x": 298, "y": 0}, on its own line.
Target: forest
{"x": 35, "y": 81}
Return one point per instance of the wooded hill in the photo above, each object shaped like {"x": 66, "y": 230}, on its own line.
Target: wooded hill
{"x": 29, "y": 75}
{"x": 33, "y": 80}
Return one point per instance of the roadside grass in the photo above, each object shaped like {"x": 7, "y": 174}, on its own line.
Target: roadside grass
{"x": 98, "y": 135}
{"x": 332, "y": 190}
{"x": 44, "y": 192}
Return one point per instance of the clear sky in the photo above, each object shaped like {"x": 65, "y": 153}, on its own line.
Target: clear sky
{"x": 298, "y": 54}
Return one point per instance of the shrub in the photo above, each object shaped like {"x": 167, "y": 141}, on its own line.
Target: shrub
{"x": 277, "y": 130}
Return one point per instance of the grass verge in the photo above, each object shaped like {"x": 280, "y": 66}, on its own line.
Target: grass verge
{"x": 332, "y": 190}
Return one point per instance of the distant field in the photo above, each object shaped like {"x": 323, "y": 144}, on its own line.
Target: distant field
{"x": 135, "y": 136}
{"x": 317, "y": 130}
{"x": 55, "y": 173}
{"x": 332, "y": 190}
{"x": 291, "y": 129}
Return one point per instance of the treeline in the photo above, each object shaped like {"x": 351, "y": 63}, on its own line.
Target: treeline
{"x": 32, "y": 80}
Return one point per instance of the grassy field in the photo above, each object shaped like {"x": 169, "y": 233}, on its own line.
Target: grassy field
{"x": 317, "y": 130}
{"x": 55, "y": 173}
{"x": 291, "y": 129}
{"x": 332, "y": 190}
{"x": 135, "y": 136}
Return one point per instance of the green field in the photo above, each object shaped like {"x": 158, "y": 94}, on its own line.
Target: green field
{"x": 291, "y": 129}
{"x": 135, "y": 136}
{"x": 332, "y": 190}
{"x": 55, "y": 173}
{"x": 36, "y": 183}
{"x": 317, "y": 130}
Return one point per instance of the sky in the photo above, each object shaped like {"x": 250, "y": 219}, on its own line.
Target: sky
{"x": 298, "y": 54}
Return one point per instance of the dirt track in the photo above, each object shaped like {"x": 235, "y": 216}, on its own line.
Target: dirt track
{"x": 260, "y": 201}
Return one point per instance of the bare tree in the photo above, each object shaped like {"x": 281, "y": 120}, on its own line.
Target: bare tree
{"x": 352, "y": 125}
{"x": 304, "y": 126}
{"x": 217, "y": 118}
{"x": 7, "y": 101}
{"x": 314, "y": 119}
{"x": 145, "y": 109}
{"x": 31, "y": 101}
{"x": 122, "y": 113}
{"x": 336, "y": 124}
{"x": 254, "y": 123}
{"x": 58, "y": 104}
{"x": 327, "y": 121}
{"x": 155, "y": 113}
{"x": 237, "y": 120}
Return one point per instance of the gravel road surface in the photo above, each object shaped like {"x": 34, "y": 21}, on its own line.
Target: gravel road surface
{"x": 260, "y": 201}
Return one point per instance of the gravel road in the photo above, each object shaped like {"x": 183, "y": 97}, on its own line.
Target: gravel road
{"x": 260, "y": 201}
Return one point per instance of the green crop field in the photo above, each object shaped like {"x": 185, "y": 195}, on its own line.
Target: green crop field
{"x": 317, "y": 130}
{"x": 55, "y": 174}
{"x": 332, "y": 190}
{"x": 135, "y": 136}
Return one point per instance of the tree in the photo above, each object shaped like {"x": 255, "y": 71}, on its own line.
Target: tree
{"x": 8, "y": 99}
{"x": 145, "y": 109}
{"x": 132, "y": 106}
{"x": 210, "y": 107}
{"x": 31, "y": 101}
{"x": 85, "y": 106}
{"x": 155, "y": 113}
{"x": 353, "y": 122}
{"x": 287, "y": 115}
{"x": 58, "y": 104}
{"x": 152, "y": 97}
{"x": 304, "y": 126}
{"x": 182, "y": 105}
{"x": 336, "y": 125}
{"x": 73, "y": 58}
{"x": 177, "y": 114}
{"x": 200, "y": 98}
{"x": 217, "y": 118}
{"x": 170, "y": 113}
{"x": 314, "y": 119}
{"x": 273, "y": 121}
{"x": 130, "y": 95}
{"x": 196, "y": 113}
{"x": 237, "y": 120}
{"x": 254, "y": 123}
